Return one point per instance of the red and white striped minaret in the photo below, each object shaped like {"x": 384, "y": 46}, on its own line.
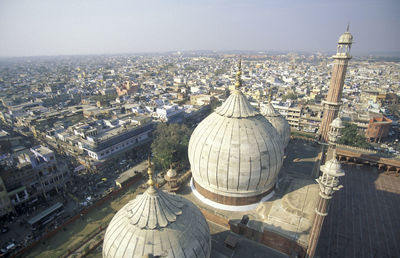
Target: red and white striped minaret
{"x": 332, "y": 102}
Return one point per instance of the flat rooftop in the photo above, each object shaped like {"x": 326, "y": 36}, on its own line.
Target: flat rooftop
{"x": 364, "y": 216}
{"x": 114, "y": 132}
{"x": 42, "y": 150}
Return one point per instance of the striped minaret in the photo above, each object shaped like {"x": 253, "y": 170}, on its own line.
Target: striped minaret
{"x": 332, "y": 102}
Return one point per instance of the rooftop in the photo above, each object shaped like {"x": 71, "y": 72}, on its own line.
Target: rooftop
{"x": 117, "y": 136}
{"x": 42, "y": 150}
{"x": 380, "y": 120}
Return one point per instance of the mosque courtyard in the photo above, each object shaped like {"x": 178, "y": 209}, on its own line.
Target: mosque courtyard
{"x": 361, "y": 221}
{"x": 363, "y": 218}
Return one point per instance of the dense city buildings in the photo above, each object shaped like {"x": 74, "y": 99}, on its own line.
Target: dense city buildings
{"x": 75, "y": 129}
{"x": 33, "y": 173}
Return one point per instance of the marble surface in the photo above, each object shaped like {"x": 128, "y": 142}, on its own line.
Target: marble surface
{"x": 278, "y": 122}
{"x": 160, "y": 224}
{"x": 235, "y": 151}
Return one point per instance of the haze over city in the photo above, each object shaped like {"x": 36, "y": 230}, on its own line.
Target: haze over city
{"x": 44, "y": 27}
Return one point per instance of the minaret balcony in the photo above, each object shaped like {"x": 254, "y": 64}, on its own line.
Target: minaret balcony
{"x": 343, "y": 55}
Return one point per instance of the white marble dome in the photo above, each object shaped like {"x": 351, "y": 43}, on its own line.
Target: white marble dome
{"x": 171, "y": 173}
{"x": 346, "y": 38}
{"x": 235, "y": 152}
{"x": 159, "y": 224}
{"x": 278, "y": 122}
{"x": 333, "y": 168}
{"x": 337, "y": 123}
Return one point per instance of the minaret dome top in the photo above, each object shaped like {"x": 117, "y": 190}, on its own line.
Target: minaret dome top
{"x": 346, "y": 38}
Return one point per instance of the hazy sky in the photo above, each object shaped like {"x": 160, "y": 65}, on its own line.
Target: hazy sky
{"x": 59, "y": 27}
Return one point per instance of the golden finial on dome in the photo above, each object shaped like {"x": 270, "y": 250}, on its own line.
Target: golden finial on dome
{"x": 150, "y": 182}
{"x": 269, "y": 95}
{"x": 238, "y": 75}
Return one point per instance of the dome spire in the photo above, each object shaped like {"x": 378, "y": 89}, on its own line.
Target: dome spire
{"x": 238, "y": 75}
{"x": 269, "y": 95}
{"x": 150, "y": 182}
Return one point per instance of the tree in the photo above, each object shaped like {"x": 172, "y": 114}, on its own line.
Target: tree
{"x": 350, "y": 136}
{"x": 170, "y": 144}
{"x": 290, "y": 95}
{"x": 214, "y": 104}
{"x": 394, "y": 110}
{"x": 105, "y": 99}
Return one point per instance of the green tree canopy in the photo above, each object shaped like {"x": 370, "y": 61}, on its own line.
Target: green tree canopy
{"x": 170, "y": 144}
{"x": 105, "y": 99}
{"x": 350, "y": 136}
{"x": 214, "y": 104}
{"x": 290, "y": 95}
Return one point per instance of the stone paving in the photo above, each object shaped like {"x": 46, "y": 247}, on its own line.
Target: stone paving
{"x": 363, "y": 218}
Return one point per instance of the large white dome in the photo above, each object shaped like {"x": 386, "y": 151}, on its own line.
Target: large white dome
{"x": 235, "y": 154}
{"x": 159, "y": 224}
{"x": 278, "y": 122}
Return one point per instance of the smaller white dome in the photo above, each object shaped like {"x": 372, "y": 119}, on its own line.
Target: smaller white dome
{"x": 332, "y": 167}
{"x": 346, "y": 38}
{"x": 337, "y": 123}
{"x": 171, "y": 173}
{"x": 278, "y": 122}
{"x": 159, "y": 224}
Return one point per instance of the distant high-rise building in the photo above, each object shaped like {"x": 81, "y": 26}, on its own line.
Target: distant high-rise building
{"x": 332, "y": 102}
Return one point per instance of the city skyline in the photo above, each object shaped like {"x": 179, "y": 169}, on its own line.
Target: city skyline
{"x": 100, "y": 27}
{"x": 75, "y": 132}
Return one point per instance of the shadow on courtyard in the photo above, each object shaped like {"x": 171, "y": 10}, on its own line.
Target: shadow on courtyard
{"x": 363, "y": 218}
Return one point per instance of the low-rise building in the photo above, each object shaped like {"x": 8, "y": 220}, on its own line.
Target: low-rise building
{"x": 117, "y": 139}
{"x": 51, "y": 174}
{"x": 378, "y": 128}
{"x": 5, "y": 204}
{"x": 291, "y": 114}
{"x": 18, "y": 177}
{"x": 172, "y": 114}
